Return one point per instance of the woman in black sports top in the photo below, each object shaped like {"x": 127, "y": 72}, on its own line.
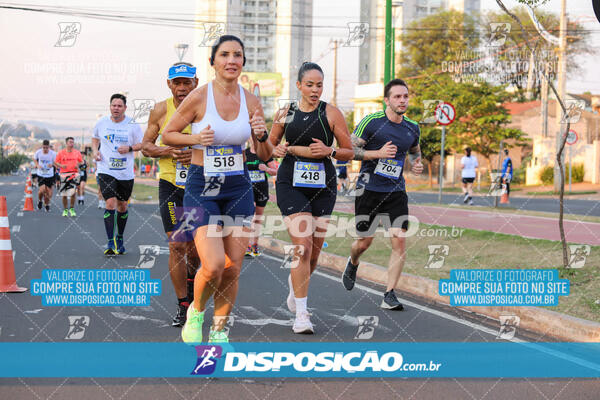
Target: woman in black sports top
{"x": 306, "y": 180}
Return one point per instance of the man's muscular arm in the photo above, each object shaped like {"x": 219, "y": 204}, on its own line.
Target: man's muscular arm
{"x": 358, "y": 145}
{"x": 388, "y": 150}
{"x": 149, "y": 148}
{"x": 414, "y": 153}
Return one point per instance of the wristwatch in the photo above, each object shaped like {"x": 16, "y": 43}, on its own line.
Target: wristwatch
{"x": 264, "y": 137}
{"x": 333, "y": 153}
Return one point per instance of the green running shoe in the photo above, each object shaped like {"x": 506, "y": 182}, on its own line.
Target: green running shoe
{"x": 218, "y": 337}
{"x": 72, "y": 212}
{"x": 192, "y": 329}
{"x": 65, "y": 213}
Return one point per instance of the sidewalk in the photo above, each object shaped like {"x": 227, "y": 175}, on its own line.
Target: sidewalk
{"x": 511, "y": 224}
{"x": 526, "y": 191}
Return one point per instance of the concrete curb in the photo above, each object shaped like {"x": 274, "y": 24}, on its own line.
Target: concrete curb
{"x": 545, "y": 322}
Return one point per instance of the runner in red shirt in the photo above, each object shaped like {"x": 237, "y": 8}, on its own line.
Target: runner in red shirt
{"x": 68, "y": 161}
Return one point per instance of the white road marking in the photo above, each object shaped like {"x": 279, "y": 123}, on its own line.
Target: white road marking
{"x": 539, "y": 347}
{"x": 264, "y": 321}
{"x": 36, "y": 311}
{"x": 411, "y": 304}
{"x": 19, "y": 214}
{"x": 124, "y": 316}
{"x": 16, "y": 228}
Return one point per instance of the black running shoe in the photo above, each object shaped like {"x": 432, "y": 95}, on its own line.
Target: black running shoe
{"x": 349, "y": 277}
{"x": 47, "y": 208}
{"x": 390, "y": 301}
{"x": 180, "y": 318}
{"x": 39, "y": 205}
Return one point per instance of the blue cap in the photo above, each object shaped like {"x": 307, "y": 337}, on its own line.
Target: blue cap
{"x": 182, "y": 71}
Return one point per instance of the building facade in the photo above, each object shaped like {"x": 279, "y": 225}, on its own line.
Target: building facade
{"x": 277, "y": 36}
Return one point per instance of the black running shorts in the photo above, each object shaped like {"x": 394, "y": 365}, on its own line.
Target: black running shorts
{"x": 169, "y": 198}
{"x": 372, "y": 204}
{"x": 112, "y": 187}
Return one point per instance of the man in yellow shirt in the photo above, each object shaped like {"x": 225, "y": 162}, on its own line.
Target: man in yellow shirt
{"x": 173, "y": 164}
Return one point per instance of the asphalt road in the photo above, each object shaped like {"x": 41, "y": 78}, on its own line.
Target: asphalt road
{"x": 49, "y": 241}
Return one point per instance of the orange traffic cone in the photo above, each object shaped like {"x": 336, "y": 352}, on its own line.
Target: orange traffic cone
{"x": 8, "y": 281}
{"x": 504, "y": 196}
{"x": 28, "y": 195}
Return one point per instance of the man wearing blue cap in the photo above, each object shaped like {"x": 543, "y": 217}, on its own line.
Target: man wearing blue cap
{"x": 173, "y": 164}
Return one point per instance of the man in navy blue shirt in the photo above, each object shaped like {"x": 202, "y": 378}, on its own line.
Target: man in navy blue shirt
{"x": 382, "y": 140}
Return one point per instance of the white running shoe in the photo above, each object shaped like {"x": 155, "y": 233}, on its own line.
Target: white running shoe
{"x": 302, "y": 323}
{"x": 291, "y": 302}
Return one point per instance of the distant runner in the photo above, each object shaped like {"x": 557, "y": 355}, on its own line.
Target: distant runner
{"x": 44, "y": 161}
{"x": 114, "y": 140}
{"x": 68, "y": 160}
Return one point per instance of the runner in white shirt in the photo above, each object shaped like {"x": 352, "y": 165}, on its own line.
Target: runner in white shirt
{"x": 114, "y": 140}
{"x": 44, "y": 162}
{"x": 469, "y": 166}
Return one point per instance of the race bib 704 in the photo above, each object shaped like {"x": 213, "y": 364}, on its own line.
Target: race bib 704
{"x": 389, "y": 168}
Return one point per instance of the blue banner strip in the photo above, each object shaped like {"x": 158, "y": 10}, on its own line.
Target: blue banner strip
{"x": 325, "y": 360}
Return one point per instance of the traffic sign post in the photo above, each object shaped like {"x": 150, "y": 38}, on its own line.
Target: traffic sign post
{"x": 572, "y": 138}
{"x": 444, "y": 115}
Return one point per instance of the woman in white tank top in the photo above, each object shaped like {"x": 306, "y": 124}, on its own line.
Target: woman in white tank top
{"x": 218, "y": 192}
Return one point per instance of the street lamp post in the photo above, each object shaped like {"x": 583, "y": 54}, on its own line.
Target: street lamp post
{"x": 388, "y": 41}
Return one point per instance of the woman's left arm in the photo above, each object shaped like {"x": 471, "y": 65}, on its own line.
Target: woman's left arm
{"x": 264, "y": 148}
